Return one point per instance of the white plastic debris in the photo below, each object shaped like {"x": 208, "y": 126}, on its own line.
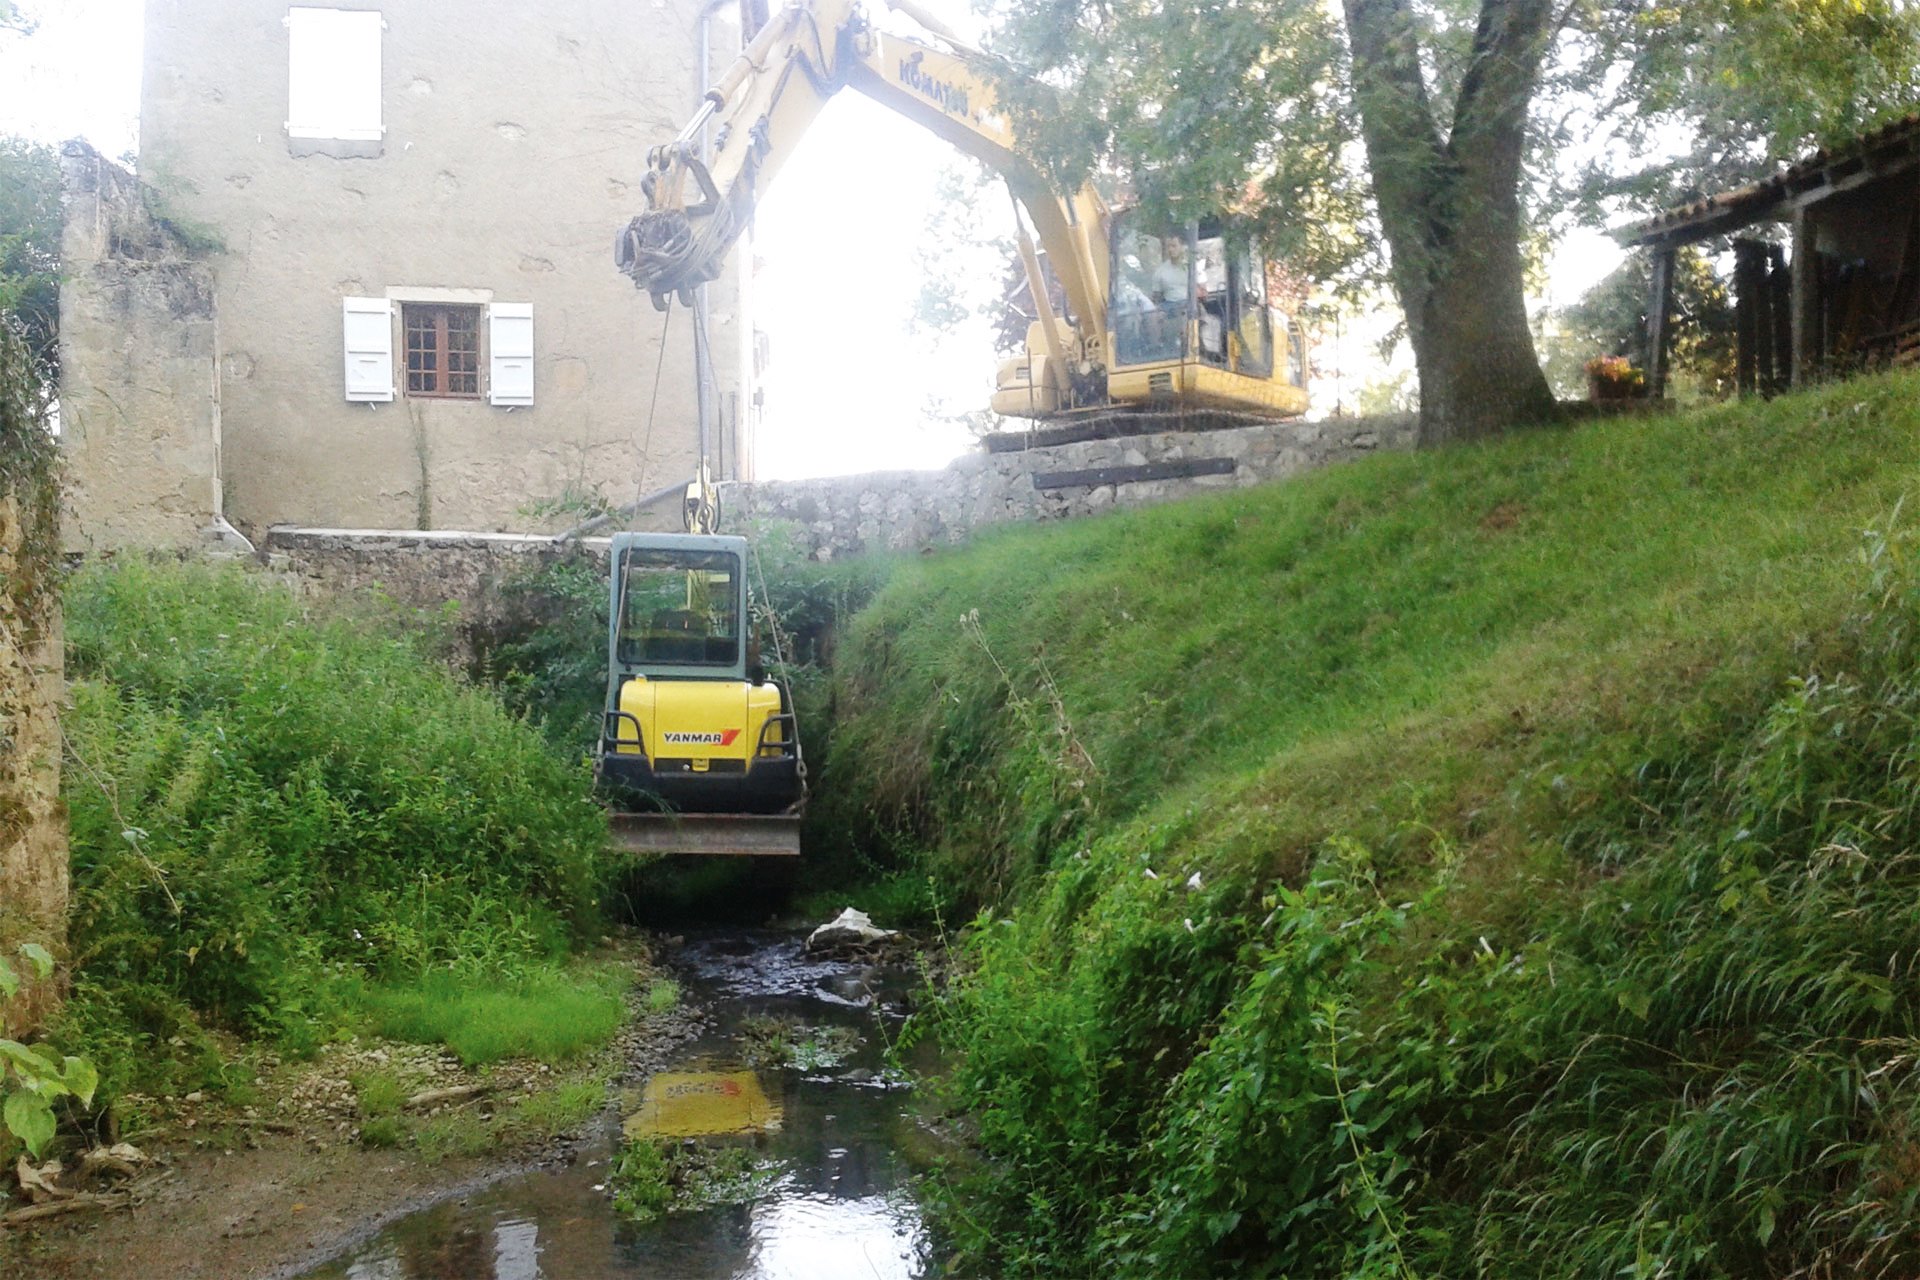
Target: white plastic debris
{"x": 851, "y": 928}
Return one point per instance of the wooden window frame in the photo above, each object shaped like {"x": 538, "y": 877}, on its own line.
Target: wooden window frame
{"x": 432, "y": 320}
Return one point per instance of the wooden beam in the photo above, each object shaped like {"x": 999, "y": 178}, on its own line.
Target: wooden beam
{"x": 1805, "y": 323}
{"x": 1779, "y": 336}
{"x": 1659, "y": 309}
{"x": 1136, "y": 474}
{"x": 1749, "y": 288}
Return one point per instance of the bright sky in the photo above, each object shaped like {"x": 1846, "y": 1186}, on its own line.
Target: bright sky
{"x": 835, "y": 237}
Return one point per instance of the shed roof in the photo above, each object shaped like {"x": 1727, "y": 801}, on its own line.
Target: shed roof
{"x": 1828, "y": 171}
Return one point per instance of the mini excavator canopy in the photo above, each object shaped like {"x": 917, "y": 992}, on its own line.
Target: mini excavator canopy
{"x": 699, "y": 749}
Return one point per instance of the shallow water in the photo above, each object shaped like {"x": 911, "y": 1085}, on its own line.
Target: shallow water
{"x": 841, "y": 1210}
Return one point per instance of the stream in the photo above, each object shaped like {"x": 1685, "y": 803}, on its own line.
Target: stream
{"x": 840, "y": 1206}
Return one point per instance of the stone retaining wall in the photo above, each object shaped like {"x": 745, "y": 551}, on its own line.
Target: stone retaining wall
{"x": 846, "y": 515}
{"x": 907, "y": 510}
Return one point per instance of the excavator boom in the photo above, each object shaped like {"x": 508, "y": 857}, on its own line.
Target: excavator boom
{"x": 1209, "y": 344}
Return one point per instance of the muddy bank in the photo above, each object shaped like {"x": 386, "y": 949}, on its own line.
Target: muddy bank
{"x": 276, "y": 1186}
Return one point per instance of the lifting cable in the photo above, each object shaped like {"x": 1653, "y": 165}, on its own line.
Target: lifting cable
{"x": 646, "y": 449}
{"x": 779, "y": 656}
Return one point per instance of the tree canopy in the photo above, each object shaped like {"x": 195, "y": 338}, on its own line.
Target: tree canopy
{"x": 1423, "y": 142}
{"x": 30, "y": 248}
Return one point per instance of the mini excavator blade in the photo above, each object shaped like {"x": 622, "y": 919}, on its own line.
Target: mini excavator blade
{"x": 744, "y": 835}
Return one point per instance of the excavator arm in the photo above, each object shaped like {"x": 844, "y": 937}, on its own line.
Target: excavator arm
{"x": 701, "y": 198}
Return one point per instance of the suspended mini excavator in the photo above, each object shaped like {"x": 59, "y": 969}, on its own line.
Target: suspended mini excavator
{"x": 699, "y": 750}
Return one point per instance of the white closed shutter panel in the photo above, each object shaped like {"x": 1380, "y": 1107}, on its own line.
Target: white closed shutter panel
{"x": 369, "y": 341}
{"x": 510, "y": 348}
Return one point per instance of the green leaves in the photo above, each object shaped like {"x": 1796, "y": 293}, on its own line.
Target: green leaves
{"x": 29, "y": 1117}
{"x": 33, "y": 1076}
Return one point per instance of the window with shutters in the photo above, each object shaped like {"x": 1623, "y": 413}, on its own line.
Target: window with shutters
{"x": 442, "y": 350}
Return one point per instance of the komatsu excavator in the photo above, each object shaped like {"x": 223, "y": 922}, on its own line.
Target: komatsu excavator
{"x": 1155, "y": 319}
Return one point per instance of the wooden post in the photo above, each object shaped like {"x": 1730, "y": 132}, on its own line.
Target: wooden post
{"x": 1659, "y": 308}
{"x": 1806, "y": 339}
{"x": 1780, "y": 313}
{"x": 1749, "y": 288}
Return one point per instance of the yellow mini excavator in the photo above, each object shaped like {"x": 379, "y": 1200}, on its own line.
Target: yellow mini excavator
{"x": 1156, "y": 319}
{"x": 699, "y": 752}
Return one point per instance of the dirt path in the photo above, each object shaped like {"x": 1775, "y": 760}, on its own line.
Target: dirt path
{"x": 275, "y": 1188}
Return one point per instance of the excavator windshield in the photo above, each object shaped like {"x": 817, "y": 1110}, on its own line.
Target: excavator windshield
{"x": 680, "y": 608}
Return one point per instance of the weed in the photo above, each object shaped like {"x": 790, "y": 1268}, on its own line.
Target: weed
{"x": 663, "y": 994}
{"x": 383, "y": 1131}
{"x": 773, "y": 1043}
{"x": 454, "y": 1134}
{"x": 544, "y": 1014}
{"x": 267, "y": 803}
{"x": 1463, "y": 897}
{"x": 652, "y": 1179}
{"x": 379, "y": 1093}
{"x": 560, "y": 1110}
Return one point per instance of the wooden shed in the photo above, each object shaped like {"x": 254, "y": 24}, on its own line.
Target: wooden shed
{"x": 1826, "y": 263}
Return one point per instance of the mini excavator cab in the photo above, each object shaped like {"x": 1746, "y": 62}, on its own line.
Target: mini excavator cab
{"x": 698, "y": 749}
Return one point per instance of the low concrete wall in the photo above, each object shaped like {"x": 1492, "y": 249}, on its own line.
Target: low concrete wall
{"x": 907, "y": 510}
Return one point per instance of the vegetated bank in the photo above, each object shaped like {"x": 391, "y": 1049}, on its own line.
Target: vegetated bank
{"x": 1498, "y": 861}
{"x": 291, "y": 824}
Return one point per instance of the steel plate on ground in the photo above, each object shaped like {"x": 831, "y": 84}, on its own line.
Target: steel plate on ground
{"x": 744, "y": 835}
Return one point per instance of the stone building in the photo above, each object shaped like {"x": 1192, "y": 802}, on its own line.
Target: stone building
{"x": 405, "y": 215}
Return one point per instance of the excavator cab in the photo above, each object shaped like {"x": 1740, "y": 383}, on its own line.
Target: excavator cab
{"x": 698, "y": 749}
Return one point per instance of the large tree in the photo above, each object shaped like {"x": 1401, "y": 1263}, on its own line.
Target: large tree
{"x": 1428, "y": 141}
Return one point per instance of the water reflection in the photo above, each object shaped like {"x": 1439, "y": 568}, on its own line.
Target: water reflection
{"x": 841, "y": 1211}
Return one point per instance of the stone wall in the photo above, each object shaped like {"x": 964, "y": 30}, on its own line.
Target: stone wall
{"x": 846, "y": 515}
{"x": 139, "y": 374}
{"x": 454, "y": 577}
{"x": 33, "y": 840}
{"x": 907, "y": 510}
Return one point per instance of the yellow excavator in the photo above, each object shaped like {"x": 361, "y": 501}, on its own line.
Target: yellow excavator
{"x": 1155, "y": 319}
{"x": 699, "y": 751}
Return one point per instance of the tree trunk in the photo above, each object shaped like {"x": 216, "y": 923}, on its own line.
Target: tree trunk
{"x": 1450, "y": 209}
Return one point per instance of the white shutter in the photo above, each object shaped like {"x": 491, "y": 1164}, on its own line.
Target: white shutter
{"x": 333, "y": 74}
{"x": 368, "y": 324}
{"x": 510, "y": 348}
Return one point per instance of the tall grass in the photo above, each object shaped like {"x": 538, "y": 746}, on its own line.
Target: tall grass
{"x": 263, "y": 798}
{"x": 540, "y": 1014}
{"x": 1491, "y": 862}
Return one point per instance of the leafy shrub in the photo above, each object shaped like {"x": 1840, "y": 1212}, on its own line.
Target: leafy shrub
{"x": 264, "y": 799}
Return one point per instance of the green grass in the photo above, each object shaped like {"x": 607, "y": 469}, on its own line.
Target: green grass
{"x": 547, "y": 1014}
{"x": 663, "y": 994}
{"x": 455, "y": 1134}
{"x": 268, "y": 793}
{"x": 379, "y": 1093}
{"x": 1493, "y": 861}
{"x": 559, "y": 1110}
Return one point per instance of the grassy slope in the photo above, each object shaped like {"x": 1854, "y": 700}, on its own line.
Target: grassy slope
{"x": 1460, "y": 744}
